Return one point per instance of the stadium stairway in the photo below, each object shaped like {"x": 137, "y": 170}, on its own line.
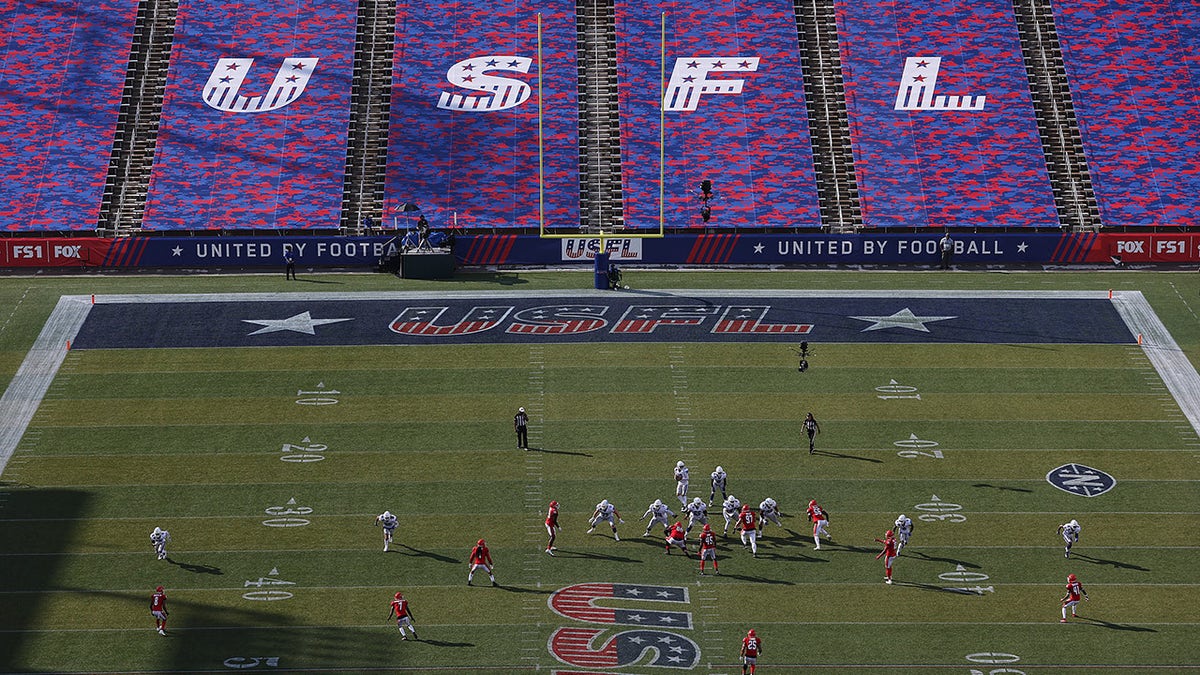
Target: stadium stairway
{"x": 599, "y": 125}
{"x": 1056, "y": 121}
{"x": 829, "y": 125}
{"x": 125, "y": 187}
{"x": 366, "y": 151}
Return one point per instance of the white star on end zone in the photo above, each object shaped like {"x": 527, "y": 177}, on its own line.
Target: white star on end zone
{"x": 301, "y": 323}
{"x": 902, "y": 319}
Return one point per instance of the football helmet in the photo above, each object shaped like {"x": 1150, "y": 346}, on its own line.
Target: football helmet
{"x": 386, "y": 515}
{"x": 812, "y": 502}
{"x": 553, "y": 503}
{"x": 750, "y": 632}
{"x": 399, "y": 595}
{"x": 604, "y": 503}
{"x": 902, "y": 518}
{"x": 1070, "y": 577}
{"x": 479, "y": 543}
{"x": 520, "y": 410}
{"x": 1074, "y": 523}
{"x": 657, "y": 503}
{"x": 679, "y": 464}
{"x": 889, "y": 535}
{"x": 697, "y": 500}
{"x": 720, "y": 470}
{"x": 707, "y": 527}
{"x": 159, "y": 589}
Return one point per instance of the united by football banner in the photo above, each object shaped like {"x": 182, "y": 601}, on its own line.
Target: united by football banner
{"x": 732, "y": 114}
{"x": 466, "y": 89}
{"x": 941, "y": 120}
{"x": 682, "y": 249}
{"x": 255, "y": 116}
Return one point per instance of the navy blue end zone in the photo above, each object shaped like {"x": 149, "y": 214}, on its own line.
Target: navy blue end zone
{"x": 601, "y": 318}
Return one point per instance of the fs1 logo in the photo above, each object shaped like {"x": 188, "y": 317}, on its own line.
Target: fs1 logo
{"x": 917, "y": 83}
{"x": 26, "y": 251}
{"x": 499, "y": 93}
{"x": 1078, "y": 479}
{"x": 689, "y": 80}
{"x": 221, "y": 90}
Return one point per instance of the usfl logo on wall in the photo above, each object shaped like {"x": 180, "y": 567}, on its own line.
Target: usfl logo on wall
{"x": 653, "y": 637}
{"x": 226, "y": 78}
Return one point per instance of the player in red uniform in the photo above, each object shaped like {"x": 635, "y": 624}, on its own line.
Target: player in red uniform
{"x": 748, "y": 524}
{"x": 158, "y": 610}
{"x": 820, "y": 520}
{"x": 675, "y": 537}
{"x": 552, "y": 527}
{"x": 1074, "y": 590}
{"x": 404, "y": 616}
{"x": 481, "y": 557}
{"x": 751, "y": 648}
{"x": 888, "y": 554}
{"x": 708, "y": 548}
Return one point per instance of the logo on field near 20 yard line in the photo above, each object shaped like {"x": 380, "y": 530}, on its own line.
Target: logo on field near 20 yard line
{"x": 1078, "y": 479}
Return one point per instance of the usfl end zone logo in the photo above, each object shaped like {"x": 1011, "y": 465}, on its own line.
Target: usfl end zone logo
{"x": 586, "y": 647}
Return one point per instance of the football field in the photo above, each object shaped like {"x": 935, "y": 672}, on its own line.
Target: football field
{"x": 266, "y": 432}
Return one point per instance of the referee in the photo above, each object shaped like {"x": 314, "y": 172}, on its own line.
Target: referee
{"x": 812, "y": 429}
{"x": 521, "y": 426}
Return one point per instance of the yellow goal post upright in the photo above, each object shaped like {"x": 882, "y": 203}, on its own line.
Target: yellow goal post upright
{"x": 542, "y": 233}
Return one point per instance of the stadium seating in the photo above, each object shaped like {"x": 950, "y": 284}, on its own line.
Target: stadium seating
{"x": 270, "y": 154}
{"x": 62, "y": 68}
{"x": 1132, "y": 71}
{"x": 750, "y": 139}
{"x": 463, "y": 136}
{"x": 939, "y": 162}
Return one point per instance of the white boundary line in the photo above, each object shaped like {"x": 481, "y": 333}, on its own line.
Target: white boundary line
{"x": 29, "y": 384}
{"x": 1169, "y": 361}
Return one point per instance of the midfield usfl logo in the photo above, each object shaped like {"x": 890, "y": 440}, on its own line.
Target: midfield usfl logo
{"x": 1078, "y": 479}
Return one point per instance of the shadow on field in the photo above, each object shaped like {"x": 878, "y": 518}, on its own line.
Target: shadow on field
{"x": 443, "y": 643}
{"x": 595, "y": 556}
{"x": 839, "y": 455}
{"x": 795, "y": 557}
{"x": 523, "y": 589}
{"x": 1001, "y": 487}
{"x": 418, "y": 553}
{"x": 942, "y": 589}
{"x": 1115, "y": 563}
{"x": 32, "y": 560}
{"x": 758, "y": 580}
{"x": 1116, "y": 626}
{"x": 500, "y": 278}
{"x": 318, "y": 281}
{"x": 195, "y": 568}
{"x": 933, "y": 558}
{"x": 559, "y": 452}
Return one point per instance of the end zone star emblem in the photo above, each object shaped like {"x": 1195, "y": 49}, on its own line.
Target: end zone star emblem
{"x": 902, "y": 319}
{"x": 301, "y": 323}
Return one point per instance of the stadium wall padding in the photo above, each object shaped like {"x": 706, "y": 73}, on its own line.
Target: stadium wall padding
{"x": 682, "y": 249}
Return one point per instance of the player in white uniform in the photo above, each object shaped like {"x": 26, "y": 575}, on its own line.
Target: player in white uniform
{"x": 697, "y": 512}
{"x": 1070, "y": 534}
{"x": 718, "y": 483}
{"x": 681, "y": 482}
{"x": 904, "y": 528}
{"x": 769, "y": 510}
{"x": 605, "y": 512}
{"x": 389, "y": 522}
{"x": 730, "y": 508}
{"x": 657, "y": 513}
{"x": 159, "y": 538}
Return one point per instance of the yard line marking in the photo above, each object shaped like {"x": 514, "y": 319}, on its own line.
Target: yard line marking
{"x": 1169, "y": 361}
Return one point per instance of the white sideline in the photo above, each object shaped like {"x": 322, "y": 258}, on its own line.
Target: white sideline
{"x": 24, "y": 395}
{"x": 1164, "y": 353}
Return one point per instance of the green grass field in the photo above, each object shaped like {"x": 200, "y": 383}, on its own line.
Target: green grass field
{"x": 196, "y": 441}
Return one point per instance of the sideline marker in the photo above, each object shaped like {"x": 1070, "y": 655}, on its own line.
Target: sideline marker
{"x": 1139, "y": 338}
{"x": 94, "y": 297}
{"x": 1109, "y": 296}
{"x": 68, "y": 345}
